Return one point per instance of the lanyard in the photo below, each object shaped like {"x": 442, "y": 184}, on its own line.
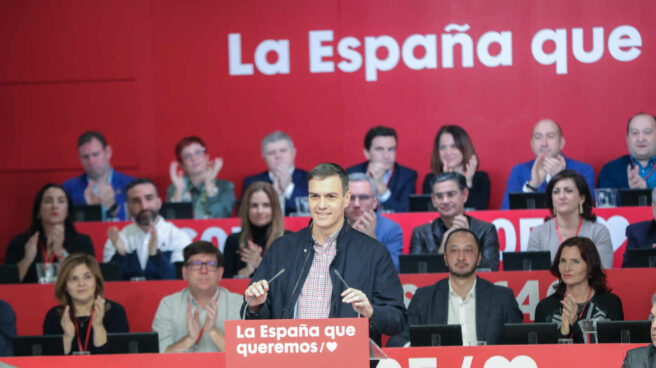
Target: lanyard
{"x": 577, "y": 229}
{"x": 45, "y": 253}
{"x": 77, "y": 333}
{"x": 653, "y": 166}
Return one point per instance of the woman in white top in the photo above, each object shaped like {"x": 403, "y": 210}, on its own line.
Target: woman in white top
{"x": 569, "y": 199}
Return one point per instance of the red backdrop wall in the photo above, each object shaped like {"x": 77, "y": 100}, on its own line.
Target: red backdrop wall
{"x": 148, "y": 72}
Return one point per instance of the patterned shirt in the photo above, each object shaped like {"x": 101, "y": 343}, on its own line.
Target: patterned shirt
{"x": 314, "y": 300}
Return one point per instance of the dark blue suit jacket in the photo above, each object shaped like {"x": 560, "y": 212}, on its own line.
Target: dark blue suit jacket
{"x": 401, "y": 184}
{"x": 640, "y": 235}
{"x": 495, "y": 305}
{"x": 299, "y": 178}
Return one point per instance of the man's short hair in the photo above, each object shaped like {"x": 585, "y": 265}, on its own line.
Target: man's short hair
{"x": 463, "y": 230}
{"x": 358, "y": 176}
{"x": 90, "y": 135}
{"x": 460, "y": 179}
{"x": 628, "y": 123}
{"x": 139, "y": 181}
{"x": 202, "y": 247}
{"x": 379, "y": 131}
{"x": 275, "y": 137}
{"x": 328, "y": 169}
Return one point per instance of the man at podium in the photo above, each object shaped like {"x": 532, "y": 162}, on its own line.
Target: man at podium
{"x": 330, "y": 269}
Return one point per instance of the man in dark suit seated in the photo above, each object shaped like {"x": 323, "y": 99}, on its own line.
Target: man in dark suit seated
{"x": 449, "y": 196}
{"x": 289, "y": 182}
{"x": 455, "y": 300}
{"x": 641, "y": 234}
{"x": 394, "y": 182}
{"x": 644, "y": 357}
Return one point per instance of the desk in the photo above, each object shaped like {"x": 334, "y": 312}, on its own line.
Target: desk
{"x": 141, "y": 298}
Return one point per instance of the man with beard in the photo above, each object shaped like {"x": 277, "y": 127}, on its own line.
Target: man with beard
{"x": 149, "y": 246}
{"x": 477, "y": 305}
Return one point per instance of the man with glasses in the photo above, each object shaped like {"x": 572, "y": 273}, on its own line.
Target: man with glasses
{"x": 362, "y": 216}
{"x": 192, "y": 320}
{"x": 449, "y": 196}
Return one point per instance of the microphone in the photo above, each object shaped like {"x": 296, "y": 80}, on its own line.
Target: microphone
{"x": 243, "y": 315}
{"x": 339, "y": 276}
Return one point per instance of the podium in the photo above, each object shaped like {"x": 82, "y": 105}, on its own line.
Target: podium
{"x": 316, "y": 343}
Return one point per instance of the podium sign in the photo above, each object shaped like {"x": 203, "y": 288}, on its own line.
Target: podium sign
{"x": 303, "y": 343}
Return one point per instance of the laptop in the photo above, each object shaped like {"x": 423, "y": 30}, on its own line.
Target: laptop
{"x": 436, "y": 335}
{"x": 133, "y": 342}
{"x": 635, "y": 197}
{"x": 637, "y": 332}
{"x": 9, "y": 274}
{"x": 527, "y": 201}
{"x": 529, "y": 333}
{"x": 38, "y": 345}
{"x": 526, "y": 261}
{"x": 87, "y": 212}
{"x": 643, "y": 257}
{"x": 176, "y": 211}
{"x": 422, "y": 263}
{"x": 420, "y": 203}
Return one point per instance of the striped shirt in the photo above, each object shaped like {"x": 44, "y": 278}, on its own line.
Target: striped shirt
{"x": 314, "y": 299}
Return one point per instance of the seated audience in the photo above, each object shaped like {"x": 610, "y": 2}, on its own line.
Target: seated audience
{"x": 99, "y": 184}
{"x": 51, "y": 236}
{"x": 279, "y": 154}
{"x": 477, "y": 305}
{"x": 193, "y": 319}
{"x": 644, "y": 356}
{"x": 453, "y": 150}
{"x": 641, "y": 234}
{"x": 547, "y": 143}
{"x": 7, "y": 328}
{"x": 261, "y": 223}
{"x": 394, "y": 183}
{"x": 361, "y": 215}
{"x": 149, "y": 246}
{"x": 197, "y": 182}
{"x": 570, "y": 201}
{"x": 635, "y": 169}
{"x": 449, "y": 196}
{"x": 85, "y": 317}
{"x": 581, "y": 293}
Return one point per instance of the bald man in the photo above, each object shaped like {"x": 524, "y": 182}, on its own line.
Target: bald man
{"x": 547, "y": 143}
{"x": 635, "y": 169}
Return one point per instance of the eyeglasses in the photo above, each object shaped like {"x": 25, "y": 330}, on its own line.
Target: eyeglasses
{"x": 361, "y": 197}
{"x": 197, "y": 153}
{"x": 197, "y": 265}
{"x": 450, "y": 194}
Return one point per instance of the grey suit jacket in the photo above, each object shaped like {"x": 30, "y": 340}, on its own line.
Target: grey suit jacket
{"x": 495, "y": 305}
{"x": 427, "y": 239}
{"x": 641, "y": 357}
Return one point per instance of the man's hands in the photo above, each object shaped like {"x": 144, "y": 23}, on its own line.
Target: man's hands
{"x": 376, "y": 171}
{"x": 544, "y": 165}
{"x": 635, "y": 180}
{"x": 367, "y": 223}
{"x": 105, "y": 197}
{"x": 152, "y": 243}
{"x": 282, "y": 178}
{"x": 259, "y": 290}
{"x": 459, "y": 222}
{"x": 117, "y": 242}
{"x": 358, "y": 299}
